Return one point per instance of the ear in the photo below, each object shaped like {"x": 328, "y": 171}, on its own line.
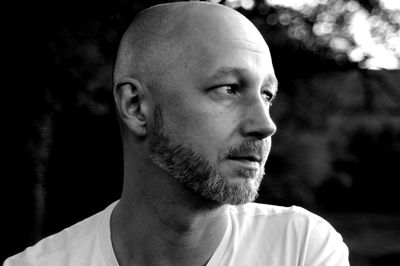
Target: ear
{"x": 131, "y": 105}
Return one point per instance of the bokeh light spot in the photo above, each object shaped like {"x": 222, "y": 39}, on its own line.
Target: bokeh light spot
{"x": 247, "y": 4}
{"x": 390, "y": 4}
{"x": 272, "y": 19}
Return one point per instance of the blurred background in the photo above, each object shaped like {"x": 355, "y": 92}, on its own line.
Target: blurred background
{"x": 336, "y": 152}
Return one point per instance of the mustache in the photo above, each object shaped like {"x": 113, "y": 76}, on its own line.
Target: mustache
{"x": 255, "y": 147}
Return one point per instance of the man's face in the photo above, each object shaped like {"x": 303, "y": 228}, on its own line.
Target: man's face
{"x": 212, "y": 131}
{"x": 201, "y": 175}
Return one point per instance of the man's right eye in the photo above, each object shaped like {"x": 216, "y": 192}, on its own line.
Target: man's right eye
{"x": 228, "y": 89}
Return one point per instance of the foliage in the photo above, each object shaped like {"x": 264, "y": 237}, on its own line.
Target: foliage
{"x": 367, "y": 32}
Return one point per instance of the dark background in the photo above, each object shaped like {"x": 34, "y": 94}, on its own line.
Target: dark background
{"x": 336, "y": 152}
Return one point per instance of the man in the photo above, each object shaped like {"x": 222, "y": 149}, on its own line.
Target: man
{"x": 193, "y": 86}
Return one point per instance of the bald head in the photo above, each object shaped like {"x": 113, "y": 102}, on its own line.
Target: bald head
{"x": 167, "y": 35}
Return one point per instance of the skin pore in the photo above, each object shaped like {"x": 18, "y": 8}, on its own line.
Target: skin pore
{"x": 193, "y": 85}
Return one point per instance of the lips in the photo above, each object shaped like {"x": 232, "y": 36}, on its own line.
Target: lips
{"x": 247, "y": 163}
{"x": 250, "y": 153}
{"x": 248, "y": 157}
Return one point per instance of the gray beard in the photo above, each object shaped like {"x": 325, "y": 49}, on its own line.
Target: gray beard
{"x": 199, "y": 174}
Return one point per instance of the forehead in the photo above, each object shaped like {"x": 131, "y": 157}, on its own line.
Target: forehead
{"x": 224, "y": 58}
{"x": 209, "y": 44}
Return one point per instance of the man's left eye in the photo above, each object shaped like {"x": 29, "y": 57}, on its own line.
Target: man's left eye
{"x": 267, "y": 96}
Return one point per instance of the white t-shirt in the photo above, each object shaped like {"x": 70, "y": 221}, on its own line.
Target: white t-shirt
{"x": 257, "y": 234}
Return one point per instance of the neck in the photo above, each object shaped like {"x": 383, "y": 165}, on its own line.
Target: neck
{"x": 158, "y": 222}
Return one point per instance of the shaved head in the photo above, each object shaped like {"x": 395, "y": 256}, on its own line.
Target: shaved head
{"x": 163, "y": 36}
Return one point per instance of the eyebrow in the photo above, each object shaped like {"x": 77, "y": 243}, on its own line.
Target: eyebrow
{"x": 272, "y": 81}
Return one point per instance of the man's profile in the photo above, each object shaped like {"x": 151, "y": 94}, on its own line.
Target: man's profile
{"x": 193, "y": 87}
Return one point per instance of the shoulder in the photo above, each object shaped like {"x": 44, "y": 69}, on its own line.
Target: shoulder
{"x": 293, "y": 214}
{"x": 62, "y": 246}
{"x": 295, "y": 229}
{"x": 294, "y": 218}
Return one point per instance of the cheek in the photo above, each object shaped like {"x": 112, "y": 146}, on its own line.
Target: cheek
{"x": 204, "y": 129}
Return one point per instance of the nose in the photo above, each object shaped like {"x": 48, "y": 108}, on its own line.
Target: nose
{"x": 257, "y": 121}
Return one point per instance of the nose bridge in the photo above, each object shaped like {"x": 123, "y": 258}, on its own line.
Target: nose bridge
{"x": 258, "y": 122}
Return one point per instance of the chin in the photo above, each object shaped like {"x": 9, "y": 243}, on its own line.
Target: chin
{"x": 239, "y": 189}
{"x": 243, "y": 175}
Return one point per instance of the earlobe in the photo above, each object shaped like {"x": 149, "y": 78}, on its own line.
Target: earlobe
{"x": 129, "y": 100}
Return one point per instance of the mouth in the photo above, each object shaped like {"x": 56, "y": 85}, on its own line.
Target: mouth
{"x": 246, "y": 161}
{"x": 246, "y": 158}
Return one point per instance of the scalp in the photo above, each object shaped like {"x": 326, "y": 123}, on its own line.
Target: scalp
{"x": 145, "y": 45}
{"x": 162, "y": 36}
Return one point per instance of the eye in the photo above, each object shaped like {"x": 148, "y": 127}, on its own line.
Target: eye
{"x": 267, "y": 97}
{"x": 230, "y": 89}
{"x": 225, "y": 93}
